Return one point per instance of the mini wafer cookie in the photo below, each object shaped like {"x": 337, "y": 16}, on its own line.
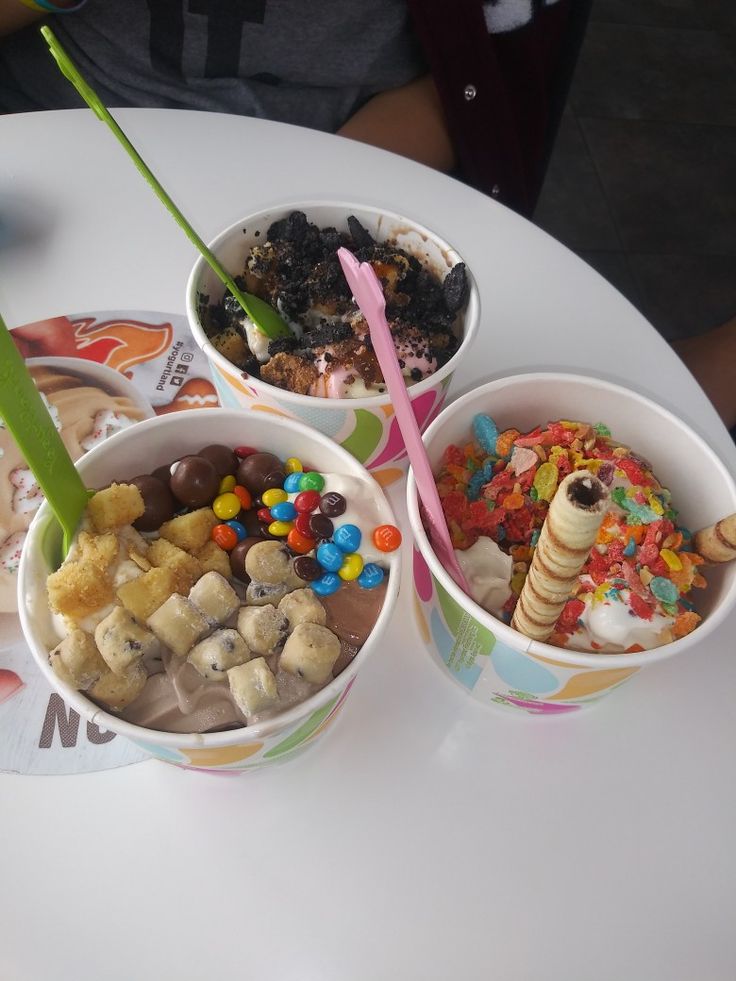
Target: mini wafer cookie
{"x": 568, "y": 534}
{"x": 717, "y": 543}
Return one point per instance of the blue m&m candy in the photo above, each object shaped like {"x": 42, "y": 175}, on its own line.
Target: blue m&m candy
{"x": 327, "y": 584}
{"x": 329, "y": 556}
{"x": 347, "y": 537}
{"x": 371, "y": 576}
{"x": 239, "y": 529}
{"x": 291, "y": 484}
{"x": 283, "y": 511}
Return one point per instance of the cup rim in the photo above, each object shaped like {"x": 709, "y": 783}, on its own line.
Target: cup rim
{"x": 504, "y": 631}
{"x": 471, "y": 324}
{"x": 180, "y": 740}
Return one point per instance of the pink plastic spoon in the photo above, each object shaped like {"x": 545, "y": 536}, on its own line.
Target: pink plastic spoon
{"x": 368, "y": 294}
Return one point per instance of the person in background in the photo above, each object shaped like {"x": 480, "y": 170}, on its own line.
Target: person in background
{"x": 475, "y": 89}
{"x": 471, "y": 88}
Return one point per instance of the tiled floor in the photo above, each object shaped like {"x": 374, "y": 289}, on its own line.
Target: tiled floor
{"x": 642, "y": 183}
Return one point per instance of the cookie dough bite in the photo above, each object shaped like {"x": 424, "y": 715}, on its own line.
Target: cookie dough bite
{"x": 117, "y": 691}
{"x": 215, "y": 598}
{"x": 302, "y": 606}
{"x": 77, "y": 661}
{"x": 122, "y": 641}
{"x": 264, "y": 629}
{"x": 215, "y": 655}
{"x": 253, "y": 686}
{"x": 178, "y": 624}
{"x": 269, "y": 562}
{"x": 311, "y": 652}
{"x": 265, "y": 593}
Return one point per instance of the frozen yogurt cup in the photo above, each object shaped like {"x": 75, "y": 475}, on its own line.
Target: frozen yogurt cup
{"x": 89, "y": 402}
{"x": 141, "y": 450}
{"x": 488, "y": 658}
{"x": 366, "y": 426}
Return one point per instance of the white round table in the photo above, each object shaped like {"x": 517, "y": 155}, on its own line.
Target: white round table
{"x": 425, "y": 836}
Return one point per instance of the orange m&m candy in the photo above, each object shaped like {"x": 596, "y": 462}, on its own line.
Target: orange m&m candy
{"x": 224, "y": 536}
{"x": 246, "y": 501}
{"x": 386, "y": 538}
{"x": 298, "y": 542}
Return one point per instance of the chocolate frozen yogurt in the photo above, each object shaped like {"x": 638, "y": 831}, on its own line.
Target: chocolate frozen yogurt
{"x": 220, "y": 591}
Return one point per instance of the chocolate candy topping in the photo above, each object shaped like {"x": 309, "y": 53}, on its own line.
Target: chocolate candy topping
{"x": 307, "y": 568}
{"x": 195, "y": 482}
{"x": 158, "y": 501}
{"x": 221, "y": 457}
{"x": 332, "y": 504}
{"x": 260, "y": 472}
{"x": 163, "y": 473}
{"x": 237, "y": 558}
{"x": 320, "y": 526}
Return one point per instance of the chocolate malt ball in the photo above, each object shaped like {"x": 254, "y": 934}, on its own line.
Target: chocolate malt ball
{"x": 221, "y": 457}
{"x": 260, "y": 472}
{"x": 158, "y": 501}
{"x": 195, "y": 482}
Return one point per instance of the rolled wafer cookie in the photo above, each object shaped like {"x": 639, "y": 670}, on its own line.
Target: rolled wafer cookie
{"x": 568, "y": 534}
{"x": 717, "y": 543}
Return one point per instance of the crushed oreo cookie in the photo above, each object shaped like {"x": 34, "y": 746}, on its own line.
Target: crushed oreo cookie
{"x": 297, "y": 271}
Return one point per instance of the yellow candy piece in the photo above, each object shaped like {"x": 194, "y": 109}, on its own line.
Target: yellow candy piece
{"x": 600, "y": 593}
{"x": 654, "y": 503}
{"x": 293, "y": 465}
{"x": 351, "y": 567}
{"x": 227, "y": 484}
{"x": 671, "y": 559}
{"x": 226, "y": 506}
{"x": 280, "y": 528}
{"x": 275, "y": 495}
{"x": 517, "y": 582}
{"x": 545, "y": 481}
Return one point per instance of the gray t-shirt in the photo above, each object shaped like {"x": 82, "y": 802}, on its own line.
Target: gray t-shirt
{"x": 309, "y": 62}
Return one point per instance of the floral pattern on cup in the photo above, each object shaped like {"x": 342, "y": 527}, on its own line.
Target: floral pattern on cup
{"x": 281, "y": 745}
{"x": 493, "y": 671}
{"x": 372, "y": 436}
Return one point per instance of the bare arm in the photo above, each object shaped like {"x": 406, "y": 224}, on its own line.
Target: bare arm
{"x": 711, "y": 357}
{"x": 407, "y": 120}
{"x": 14, "y": 15}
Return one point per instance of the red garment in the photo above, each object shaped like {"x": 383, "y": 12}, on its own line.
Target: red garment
{"x": 503, "y": 94}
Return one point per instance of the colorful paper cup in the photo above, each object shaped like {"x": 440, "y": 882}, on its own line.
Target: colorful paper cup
{"x": 141, "y": 449}
{"x": 365, "y": 427}
{"x": 496, "y": 664}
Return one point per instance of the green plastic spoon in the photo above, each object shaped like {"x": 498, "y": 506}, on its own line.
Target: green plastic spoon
{"x": 261, "y": 313}
{"x": 32, "y": 427}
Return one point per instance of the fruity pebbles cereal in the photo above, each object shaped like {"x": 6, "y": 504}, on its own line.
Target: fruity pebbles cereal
{"x": 634, "y": 590}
